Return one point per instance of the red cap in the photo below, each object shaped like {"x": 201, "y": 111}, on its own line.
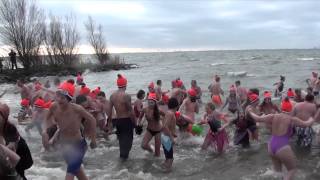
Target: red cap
{"x": 84, "y": 90}
{"x": 97, "y": 91}
{"x": 93, "y": 95}
{"x": 179, "y": 83}
{"x": 267, "y": 94}
{"x": 40, "y": 103}
{"x": 192, "y": 92}
{"x": 165, "y": 98}
{"x": 48, "y": 104}
{"x": 68, "y": 89}
{"x": 25, "y": 102}
{"x": 121, "y": 81}
{"x": 177, "y": 114}
{"x": 286, "y": 106}
{"x": 152, "y": 96}
{"x": 253, "y": 97}
{"x": 290, "y": 93}
{"x": 151, "y": 85}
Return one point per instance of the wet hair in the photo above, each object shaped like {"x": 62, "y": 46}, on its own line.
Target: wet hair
{"x": 309, "y": 98}
{"x": 71, "y": 81}
{"x": 81, "y": 99}
{"x": 102, "y": 94}
{"x": 140, "y": 94}
{"x": 194, "y": 81}
{"x": 159, "y": 82}
{"x": 282, "y": 78}
{"x": 255, "y": 91}
{"x": 193, "y": 99}
{"x": 211, "y": 106}
{"x": 297, "y": 91}
{"x": 173, "y": 103}
{"x": 238, "y": 82}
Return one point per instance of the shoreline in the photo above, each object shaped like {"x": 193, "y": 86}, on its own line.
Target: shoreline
{"x": 11, "y": 76}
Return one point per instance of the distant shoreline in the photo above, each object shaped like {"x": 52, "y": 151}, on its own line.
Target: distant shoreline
{"x": 11, "y": 76}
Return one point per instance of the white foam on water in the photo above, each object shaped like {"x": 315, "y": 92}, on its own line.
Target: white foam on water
{"x": 237, "y": 74}
{"x": 306, "y": 59}
{"x": 221, "y": 63}
{"x": 42, "y": 173}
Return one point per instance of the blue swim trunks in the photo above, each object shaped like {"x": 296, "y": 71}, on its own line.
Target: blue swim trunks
{"x": 73, "y": 155}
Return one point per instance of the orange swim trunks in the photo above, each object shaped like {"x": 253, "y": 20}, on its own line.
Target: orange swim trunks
{"x": 216, "y": 99}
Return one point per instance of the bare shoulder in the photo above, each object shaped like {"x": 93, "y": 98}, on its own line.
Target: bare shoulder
{"x": 77, "y": 107}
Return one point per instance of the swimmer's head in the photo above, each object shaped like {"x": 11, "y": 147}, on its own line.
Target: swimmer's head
{"x": 193, "y": 83}
{"x": 173, "y": 103}
{"x": 309, "y": 98}
{"x": 282, "y": 78}
{"x": 267, "y": 97}
{"x": 210, "y": 107}
{"x": 121, "y": 81}
{"x": 101, "y": 96}
{"x": 238, "y": 83}
{"x": 141, "y": 94}
{"x": 297, "y": 92}
{"x": 82, "y": 101}
{"x": 159, "y": 82}
{"x": 152, "y": 99}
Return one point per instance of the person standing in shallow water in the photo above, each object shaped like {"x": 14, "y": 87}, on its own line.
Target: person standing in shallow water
{"x": 152, "y": 115}
{"x": 125, "y": 121}
{"x": 281, "y": 128}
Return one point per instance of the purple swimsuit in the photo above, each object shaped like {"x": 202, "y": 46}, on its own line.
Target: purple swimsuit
{"x": 277, "y": 142}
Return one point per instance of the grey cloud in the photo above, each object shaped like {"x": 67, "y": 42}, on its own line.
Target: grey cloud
{"x": 218, "y": 24}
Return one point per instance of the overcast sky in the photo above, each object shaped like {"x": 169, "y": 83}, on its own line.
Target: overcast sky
{"x": 162, "y": 25}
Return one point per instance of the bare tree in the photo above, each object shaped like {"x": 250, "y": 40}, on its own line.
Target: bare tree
{"x": 61, "y": 41}
{"x": 22, "y": 28}
{"x": 97, "y": 40}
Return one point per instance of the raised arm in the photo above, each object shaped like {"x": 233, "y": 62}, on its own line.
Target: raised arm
{"x": 298, "y": 122}
{"x": 225, "y": 104}
{"x": 263, "y": 118}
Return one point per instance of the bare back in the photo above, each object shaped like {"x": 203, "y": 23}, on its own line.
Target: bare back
{"x": 122, "y": 104}
{"x": 304, "y": 110}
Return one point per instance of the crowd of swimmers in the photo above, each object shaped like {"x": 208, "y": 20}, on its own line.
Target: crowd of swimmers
{"x": 69, "y": 114}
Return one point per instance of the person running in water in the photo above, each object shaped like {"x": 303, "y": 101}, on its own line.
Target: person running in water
{"x": 233, "y": 101}
{"x": 69, "y": 118}
{"x": 278, "y": 147}
{"x": 169, "y": 133}
{"x": 305, "y": 110}
{"x": 241, "y": 92}
{"x": 126, "y": 120}
{"x": 188, "y": 108}
{"x": 267, "y": 107}
{"x": 197, "y": 88}
{"x": 216, "y": 137}
{"x": 253, "y": 106}
{"x": 152, "y": 115}
{"x": 279, "y": 87}
{"x": 216, "y": 92}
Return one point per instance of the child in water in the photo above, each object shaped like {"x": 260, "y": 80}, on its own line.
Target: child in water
{"x": 216, "y": 136}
